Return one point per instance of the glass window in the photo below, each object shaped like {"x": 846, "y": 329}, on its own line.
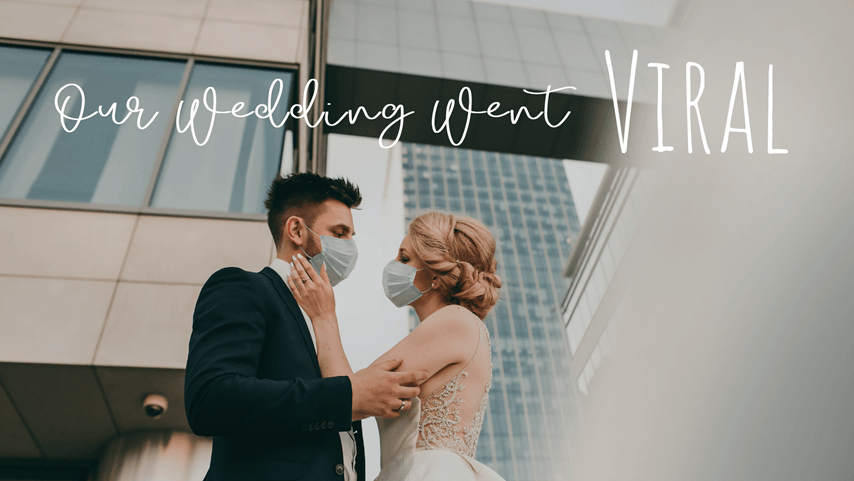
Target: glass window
{"x": 583, "y": 312}
{"x": 99, "y": 161}
{"x": 19, "y": 68}
{"x": 588, "y": 371}
{"x": 638, "y": 195}
{"x": 601, "y": 283}
{"x": 629, "y": 213}
{"x": 607, "y": 263}
{"x": 575, "y": 331}
{"x": 108, "y": 155}
{"x": 596, "y": 357}
{"x": 232, "y": 171}
{"x": 605, "y": 344}
{"x": 613, "y": 330}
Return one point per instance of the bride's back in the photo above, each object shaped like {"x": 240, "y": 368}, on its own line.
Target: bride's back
{"x": 437, "y": 437}
{"x": 453, "y": 400}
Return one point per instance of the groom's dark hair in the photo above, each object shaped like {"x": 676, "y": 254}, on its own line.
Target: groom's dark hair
{"x": 301, "y": 194}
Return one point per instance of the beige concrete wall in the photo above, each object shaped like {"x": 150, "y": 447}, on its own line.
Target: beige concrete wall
{"x": 111, "y": 289}
{"x": 119, "y": 289}
{"x": 272, "y": 30}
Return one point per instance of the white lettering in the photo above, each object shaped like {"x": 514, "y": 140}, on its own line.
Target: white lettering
{"x": 660, "y": 147}
{"x": 624, "y": 135}
{"x": 772, "y": 150}
{"x": 738, "y": 80}
{"x": 695, "y": 104}
{"x": 111, "y": 112}
{"x": 466, "y": 105}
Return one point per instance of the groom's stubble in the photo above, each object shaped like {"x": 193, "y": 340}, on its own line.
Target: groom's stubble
{"x": 312, "y": 245}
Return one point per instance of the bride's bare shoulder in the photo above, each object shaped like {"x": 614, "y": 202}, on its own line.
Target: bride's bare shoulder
{"x": 448, "y": 337}
{"x": 451, "y": 313}
{"x": 453, "y": 323}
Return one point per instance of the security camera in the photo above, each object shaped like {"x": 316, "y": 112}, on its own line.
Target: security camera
{"x": 155, "y": 405}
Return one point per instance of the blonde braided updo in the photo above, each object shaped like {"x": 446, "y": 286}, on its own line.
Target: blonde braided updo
{"x": 460, "y": 251}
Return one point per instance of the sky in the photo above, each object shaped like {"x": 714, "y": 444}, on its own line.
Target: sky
{"x": 584, "y": 178}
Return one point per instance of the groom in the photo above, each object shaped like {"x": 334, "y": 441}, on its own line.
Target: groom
{"x": 253, "y": 381}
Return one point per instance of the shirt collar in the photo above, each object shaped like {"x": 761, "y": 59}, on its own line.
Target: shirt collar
{"x": 283, "y": 268}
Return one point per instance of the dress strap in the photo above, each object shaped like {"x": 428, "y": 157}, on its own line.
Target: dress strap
{"x": 476, "y": 348}
{"x": 463, "y": 370}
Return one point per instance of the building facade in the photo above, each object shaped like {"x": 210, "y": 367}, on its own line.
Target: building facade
{"x": 110, "y": 225}
{"x": 114, "y": 215}
{"x": 592, "y": 305}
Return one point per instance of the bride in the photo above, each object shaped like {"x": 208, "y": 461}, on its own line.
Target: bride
{"x": 445, "y": 269}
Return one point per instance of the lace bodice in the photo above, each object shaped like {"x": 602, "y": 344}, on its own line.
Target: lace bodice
{"x": 440, "y": 421}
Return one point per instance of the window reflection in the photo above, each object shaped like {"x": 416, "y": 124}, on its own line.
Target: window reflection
{"x": 19, "y": 68}
{"x": 109, "y": 163}
{"x": 600, "y": 272}
{"x": 232, "y": 171}
{"x": 100, "y": 162}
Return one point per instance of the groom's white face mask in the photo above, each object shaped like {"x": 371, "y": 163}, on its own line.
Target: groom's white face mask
{"x": 333, "y": 227}
{"x": 339, "y": 255}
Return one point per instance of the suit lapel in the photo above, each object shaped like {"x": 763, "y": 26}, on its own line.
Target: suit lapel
{"x": 288, "y": 297}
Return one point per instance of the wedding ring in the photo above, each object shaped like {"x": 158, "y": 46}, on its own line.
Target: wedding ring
{"x": 402, "y": 404}
{"x": 305, "y": 279}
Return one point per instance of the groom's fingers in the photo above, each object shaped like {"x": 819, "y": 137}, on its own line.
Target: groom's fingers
{"x": 407, "y": 392}
{"x": 390, "y": 365}
{"x": 411, "y": 378}
{"x": 378, "y": 390}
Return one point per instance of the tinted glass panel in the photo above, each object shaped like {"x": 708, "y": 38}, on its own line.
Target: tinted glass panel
{"x": 233, "y": 169}
{"x": 19, "y": 67}
{"x": 100, "y": 161}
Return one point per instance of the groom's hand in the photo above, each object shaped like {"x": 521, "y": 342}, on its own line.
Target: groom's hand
{"x": 378, "y": 390}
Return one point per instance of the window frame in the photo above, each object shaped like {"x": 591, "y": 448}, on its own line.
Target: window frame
{"x": 144, "y": 208}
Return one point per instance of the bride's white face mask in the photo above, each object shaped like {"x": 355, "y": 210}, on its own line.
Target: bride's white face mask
{"x": 398, "y": 283}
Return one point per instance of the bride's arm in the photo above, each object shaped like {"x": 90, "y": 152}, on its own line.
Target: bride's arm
{"x": 319, "y": 304}
{"x": 377, "y": 389}
{"x": 447, "y": 337}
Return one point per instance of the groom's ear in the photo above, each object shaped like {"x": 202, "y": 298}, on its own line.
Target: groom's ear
{"x": 292, "y": 230}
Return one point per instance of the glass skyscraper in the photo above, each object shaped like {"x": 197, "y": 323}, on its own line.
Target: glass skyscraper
{"x": 526, "y": 203}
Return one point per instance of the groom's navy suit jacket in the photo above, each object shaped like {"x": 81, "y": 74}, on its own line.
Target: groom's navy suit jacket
{"x": 254, "y": 384}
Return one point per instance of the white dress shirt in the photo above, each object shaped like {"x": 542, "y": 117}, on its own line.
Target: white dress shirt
{"x": 348, "y": 440}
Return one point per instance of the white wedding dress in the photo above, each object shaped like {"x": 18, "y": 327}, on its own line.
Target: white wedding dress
{"x": 430, "y": 441}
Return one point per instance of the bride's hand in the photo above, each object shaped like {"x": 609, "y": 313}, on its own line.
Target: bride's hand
{"x": 315, "y": 294}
